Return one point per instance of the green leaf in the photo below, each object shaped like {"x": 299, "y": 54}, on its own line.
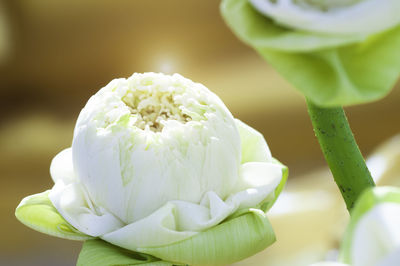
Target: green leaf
{"x": 329, "y": 70}
{"x": 231, "y": 241}
{"x": 100, "y": 253}
{"x": 365, "y": 203}
{"x": 37, "y": 212}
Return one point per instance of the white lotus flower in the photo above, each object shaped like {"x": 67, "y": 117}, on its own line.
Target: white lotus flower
{"x": 376, "y": 239}
{"x": 157, "y": 159}
{"x": 373, "y": 235}
{"x": 336, "y": 17}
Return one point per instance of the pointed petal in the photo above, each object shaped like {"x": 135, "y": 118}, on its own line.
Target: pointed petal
{"x": 159, "y": 228}
{"x": 74, "y": 205}
{"x": 254, "y": 146}
{"x": 61, "y": 167}
{"x": 258, "y": 180}
{"x": 37, "y": 212}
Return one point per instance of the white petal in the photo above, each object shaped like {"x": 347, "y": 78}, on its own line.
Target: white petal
{"x": 196, "y": 217}
{"x": 61, "y": 167}
{"x": 98, "y": 170}
{"x": 376, "y": 235}
{"x": 259, "y": 174}
{"x": 72, "y": 203}
{"x": 258, "y": 180}
{"x": 157, "y": 229}
{"x": 362, "y": 18}
{"x": 254, "y": 146}
{"x": 178, "y": 220}
{"x": 392, "y": 259}
{"x": 133, "y": 172}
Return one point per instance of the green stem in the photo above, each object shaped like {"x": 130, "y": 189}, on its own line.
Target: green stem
{"x": 340, "y": 149}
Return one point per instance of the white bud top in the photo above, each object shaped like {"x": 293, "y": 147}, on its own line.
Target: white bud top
{"x": 155, "y": 130}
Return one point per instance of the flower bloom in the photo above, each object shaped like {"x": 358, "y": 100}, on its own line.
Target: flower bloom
{"x": 156, "y": 160}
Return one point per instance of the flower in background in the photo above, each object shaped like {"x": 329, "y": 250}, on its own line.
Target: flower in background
{"x": 157, "y": 165}
{"x": 373, "y": 235}
{"x": 335, "y": 52}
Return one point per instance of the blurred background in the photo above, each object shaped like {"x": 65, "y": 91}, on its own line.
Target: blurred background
{"x": 55, "y": 54}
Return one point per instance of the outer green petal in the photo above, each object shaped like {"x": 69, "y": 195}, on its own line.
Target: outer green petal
{"x": 343, "y": 76}
{"x": 100, "y": 253}
{"x": 37, "y": 212}
{"x": 226, "y": 243}
{"x": 352, "y": 73}
{"x": 366, "y": 202}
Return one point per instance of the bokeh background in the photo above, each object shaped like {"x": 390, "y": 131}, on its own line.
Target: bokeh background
{"x": 55, "y": 54}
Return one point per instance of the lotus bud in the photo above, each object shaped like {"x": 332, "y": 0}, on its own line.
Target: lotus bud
{"x": 157, "y": 162}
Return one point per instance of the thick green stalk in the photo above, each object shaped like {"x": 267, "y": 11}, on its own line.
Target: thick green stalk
{"x": 340, "y": 149}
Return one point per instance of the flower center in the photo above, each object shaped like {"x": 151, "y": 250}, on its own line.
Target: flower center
{"x": 151, "y": 107}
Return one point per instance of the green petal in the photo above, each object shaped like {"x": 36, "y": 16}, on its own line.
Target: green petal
{"x": 37, "y": 212}
{"x": 343, "y": 76}
{"x": 231, "y": 241}
{"x": 330, "y": 72}
{"x": 100, "y": 253}
{"x": 366, "y": 202}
